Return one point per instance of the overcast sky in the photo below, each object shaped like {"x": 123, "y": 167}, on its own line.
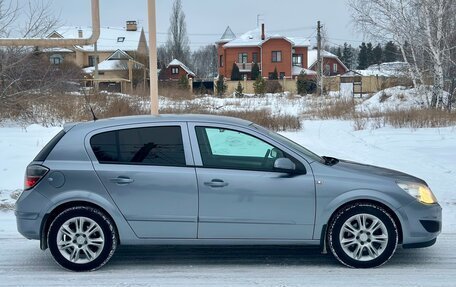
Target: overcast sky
{"x": 207, "y": 19}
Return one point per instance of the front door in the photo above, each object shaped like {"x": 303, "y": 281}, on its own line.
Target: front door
{"x": 149, "y": 173}
{"x": 241, "y": 195}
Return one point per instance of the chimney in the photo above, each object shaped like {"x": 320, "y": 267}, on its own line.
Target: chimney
{"x": 80, "y": 33}
{"x": 263, "y": 35}
{"x": 132, "y": 26}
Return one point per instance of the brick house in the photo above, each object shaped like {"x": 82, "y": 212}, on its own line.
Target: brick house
{"x": 175, "y": 70}
{"x": 332, "y": 65}
{"x": 286, "y": 54}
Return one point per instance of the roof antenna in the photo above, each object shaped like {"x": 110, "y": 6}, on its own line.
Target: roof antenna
{"x": 87, "y": 100}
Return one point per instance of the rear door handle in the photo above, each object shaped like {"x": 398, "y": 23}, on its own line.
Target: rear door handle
{"x": 216, "y": 183}
{"x": 122, "y": 180}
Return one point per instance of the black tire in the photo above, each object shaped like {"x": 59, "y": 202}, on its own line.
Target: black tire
{"x": 106, "y": 230}
{"x": 385, "y": 250}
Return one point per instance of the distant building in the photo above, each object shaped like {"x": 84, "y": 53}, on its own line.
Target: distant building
{"x": 289, "y": 55}
{"x": 175, "y": 70}
{"x": 332, "y": 65}
{"x": 116, "y": 47}
{"x": 286, "y": 54}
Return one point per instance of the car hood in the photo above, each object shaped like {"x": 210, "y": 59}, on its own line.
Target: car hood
{"x": 370, "y": 170}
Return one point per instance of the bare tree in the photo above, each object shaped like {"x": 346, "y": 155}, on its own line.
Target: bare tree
{"x": 422, "y": 30}
{"x": 177, "y": 45}
{"x": 24, "y": 70}
{"x": 204, "y": 62}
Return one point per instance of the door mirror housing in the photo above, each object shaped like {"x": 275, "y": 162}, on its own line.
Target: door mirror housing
{"x": 285, "y": 164}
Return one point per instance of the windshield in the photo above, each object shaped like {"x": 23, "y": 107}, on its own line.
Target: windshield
{"x": 290, "y": 143}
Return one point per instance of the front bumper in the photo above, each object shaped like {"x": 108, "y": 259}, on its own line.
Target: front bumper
{"x": 421, "y": 224}
{"x": 29, "y": 215}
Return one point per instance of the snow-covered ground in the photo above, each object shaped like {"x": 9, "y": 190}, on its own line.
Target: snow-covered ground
{"x": 426, "y": 153}
{"x": 399, "y": 98}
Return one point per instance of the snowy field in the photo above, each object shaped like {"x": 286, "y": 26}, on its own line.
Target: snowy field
{"x": 427, "y": 153}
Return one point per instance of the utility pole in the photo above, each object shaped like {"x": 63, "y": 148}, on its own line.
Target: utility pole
{"x": 153, "y": 58}
{"x": 319, "y": 62}
{"x": 95, "y": 61}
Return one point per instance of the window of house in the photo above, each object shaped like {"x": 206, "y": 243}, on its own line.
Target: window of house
{"x": 161, "y": 146}
{"x": 175, "y": 70}
{"x": 327, "y": 69}
{"x": 276, "y": 56}
{"x": 297, "y": 60}
{"x": 242, "y": 58}
{"x": 281, "y": 75}
{"x": 91, "y": 61}
{"x": 255, "y": 57}
{"x": 56, "y": 59}
{"x": 120, "y": 39}
{"x": 335, "y": 68}
{"x": 221, "y": 61}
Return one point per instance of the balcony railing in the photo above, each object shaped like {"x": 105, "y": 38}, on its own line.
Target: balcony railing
{"x": 246, "y": 67}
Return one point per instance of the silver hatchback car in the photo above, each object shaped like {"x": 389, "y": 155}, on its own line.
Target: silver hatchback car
{"x": 194, "y": 179}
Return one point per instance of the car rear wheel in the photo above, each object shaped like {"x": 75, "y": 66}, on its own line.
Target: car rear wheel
{"x": 82, "y": 239}
{"x": 362, "y": 235}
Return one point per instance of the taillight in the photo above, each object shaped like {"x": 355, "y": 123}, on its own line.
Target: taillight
{"x": 33, "y": 175}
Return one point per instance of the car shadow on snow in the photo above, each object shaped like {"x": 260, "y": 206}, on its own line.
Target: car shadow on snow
{"x": 243, "y": 255}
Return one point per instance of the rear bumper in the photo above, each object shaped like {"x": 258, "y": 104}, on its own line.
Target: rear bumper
{"x": 29, "y": 214}
{"x": 421, "y": 224}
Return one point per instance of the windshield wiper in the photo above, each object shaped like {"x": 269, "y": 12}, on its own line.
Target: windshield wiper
{"x": 330, "y": 160}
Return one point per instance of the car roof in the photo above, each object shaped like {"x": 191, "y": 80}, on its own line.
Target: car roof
{"x": 129, "y": 120}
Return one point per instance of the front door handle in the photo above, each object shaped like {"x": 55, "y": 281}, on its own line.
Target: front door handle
{"x": 122, "y": 180}
{"x": 216, "y": 183}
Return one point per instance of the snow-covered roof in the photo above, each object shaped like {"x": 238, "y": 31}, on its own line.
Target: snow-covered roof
{"x": 176, "y": 62}
{"x": 249, "y": 39}
{"x": 296, "y": 71}
{"x": 253, "y": 39}
{"x": 109, "y": 65}
{"x": 227, "y": 36}
{"x": 111, "y": 38}
{"x": 312, "y": 56}
{"x": 299, "y": 41}
{"x": 392, "y": 69}
{"x": 118, "y": 61}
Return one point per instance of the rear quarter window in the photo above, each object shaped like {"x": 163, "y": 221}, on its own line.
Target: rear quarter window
{"x": 161, "y": 146}
{"x": 44, "y": 153}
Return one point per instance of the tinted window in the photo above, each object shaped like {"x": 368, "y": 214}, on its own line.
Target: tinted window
{"x": 49, "y": 147}
{"x": 223, "y": 148}
{"x": 150, "y": 146}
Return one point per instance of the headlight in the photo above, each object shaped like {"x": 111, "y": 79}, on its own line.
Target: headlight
{"x": 421, "y": 192}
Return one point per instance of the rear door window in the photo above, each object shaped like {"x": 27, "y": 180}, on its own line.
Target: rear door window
{"x": 160, "y": 146}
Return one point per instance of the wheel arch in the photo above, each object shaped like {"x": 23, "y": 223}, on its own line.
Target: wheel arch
{"x": 49, "y": 217}
{"x": 394, "y": 216}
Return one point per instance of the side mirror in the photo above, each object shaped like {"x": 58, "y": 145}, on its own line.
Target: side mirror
{"x": 284, "y": 164}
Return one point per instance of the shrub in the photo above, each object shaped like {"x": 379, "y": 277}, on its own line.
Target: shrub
{"x": 305, "y": 86}
{"x": 274, "y": 75}
{"x": 239, "y": 91}
{"x": 255, "y": 71}
{"x": 220, "y": 86}
{"x": 273, "y": 87}
{"x": 235, "y": 73}
{"x": 259, "y": 86}
{"x": 183, "y": 83}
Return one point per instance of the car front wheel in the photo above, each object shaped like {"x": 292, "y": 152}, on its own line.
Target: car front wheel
{"x": 82, "y": 239}
{"x": 362, "y": 235}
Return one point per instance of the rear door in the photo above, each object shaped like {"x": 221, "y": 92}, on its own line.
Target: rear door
{"x": 148, "y": 171}
{"x": 241, "y": 195}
